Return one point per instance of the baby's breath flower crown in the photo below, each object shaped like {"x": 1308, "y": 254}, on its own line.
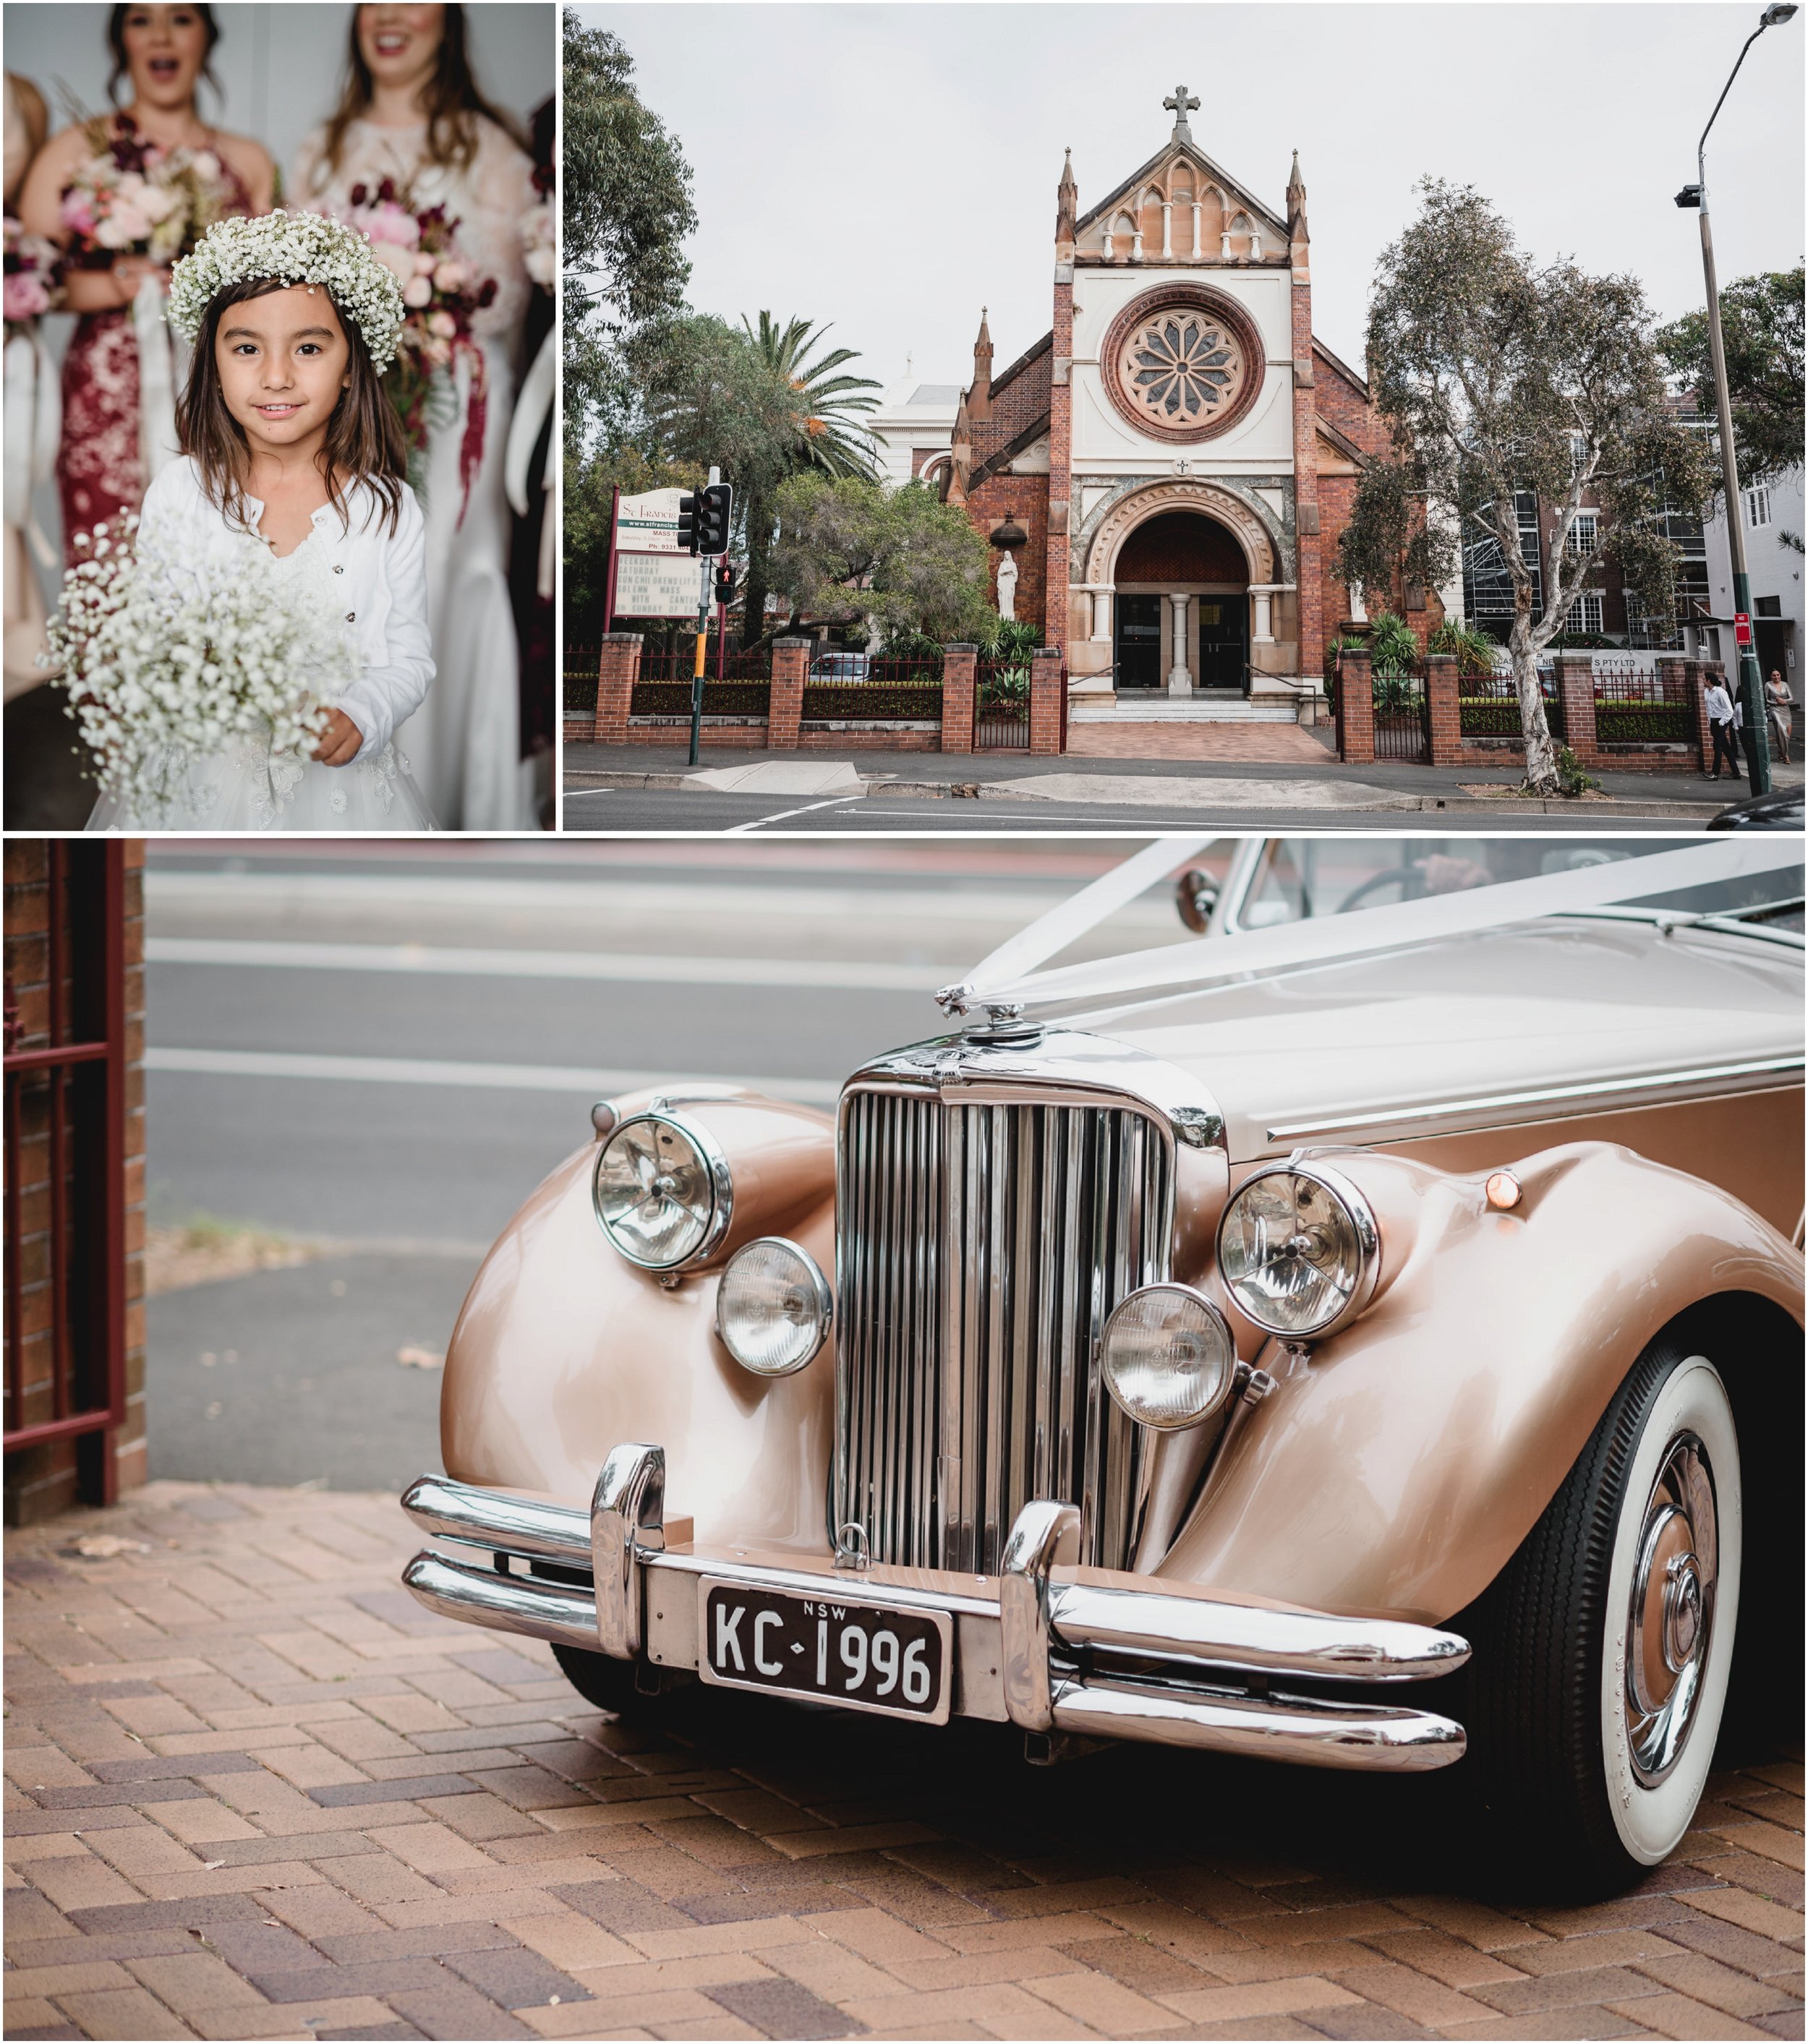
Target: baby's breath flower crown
{"x": 300, "y": 248}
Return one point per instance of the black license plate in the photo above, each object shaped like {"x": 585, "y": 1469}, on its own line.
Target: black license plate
{"x": 838, "y": 1649}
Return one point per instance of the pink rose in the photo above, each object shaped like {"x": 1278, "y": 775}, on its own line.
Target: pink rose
{"x": 443, "y": 324}
{"x": 390, "y": 224}
{"x": 206, "y": 163}
{"x": 417, "y": 292}
{"x": 78, "y": 212}
{"x": 398, "y": 261}
{"x": 449, "y": 276}
{"x": 25, "y": 296}
{"x": 424, "y": 263}
{"x": 123, "y": 227}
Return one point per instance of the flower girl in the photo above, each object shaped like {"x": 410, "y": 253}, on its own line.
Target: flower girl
{"x": 244, "y": 666}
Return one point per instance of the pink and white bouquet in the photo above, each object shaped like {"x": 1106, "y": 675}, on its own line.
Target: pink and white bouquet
{"x": 132, "y": 198}
{"x": 443, "y": 294}
{"x": 34, "y": 275}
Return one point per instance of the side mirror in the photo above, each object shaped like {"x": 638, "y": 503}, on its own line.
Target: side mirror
{"x": 1195, "y": 897}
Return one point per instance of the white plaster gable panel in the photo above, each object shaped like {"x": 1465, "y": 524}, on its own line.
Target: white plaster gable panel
{"x": 1265, "y": 296}
{"x": 1033, "y": 461}
{"x": 1275, "y": 500}
{"x": 1261, "y": 439}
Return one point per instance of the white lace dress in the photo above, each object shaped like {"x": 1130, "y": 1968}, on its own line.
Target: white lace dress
{"x": 250, "y": 788}
{"x": 465, "y": 739}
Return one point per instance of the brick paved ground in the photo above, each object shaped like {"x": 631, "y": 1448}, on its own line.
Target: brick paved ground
{"x": 255, "y": 1791}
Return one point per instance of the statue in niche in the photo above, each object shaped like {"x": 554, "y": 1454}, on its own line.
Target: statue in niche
{"x": 1007, "y": 587}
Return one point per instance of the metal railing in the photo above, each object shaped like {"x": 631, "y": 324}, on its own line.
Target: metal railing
{"x": 862, "y": 688}
{"x": 65, "y": 1164}
{"x": 1000, "y": 706}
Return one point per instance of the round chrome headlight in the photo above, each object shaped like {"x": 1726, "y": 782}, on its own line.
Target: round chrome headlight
{"x": 1167, "y": 1356}
{"x": 1297, "y": 1249}
{"x": 773, "y": 1307}
{"x": 662, "y": 1191}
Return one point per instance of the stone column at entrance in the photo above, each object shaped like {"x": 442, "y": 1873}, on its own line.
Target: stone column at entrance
{"x": 1179, "y": 675}
{"x": 1264, "y": 632}
{"x": 1102, "y": 613}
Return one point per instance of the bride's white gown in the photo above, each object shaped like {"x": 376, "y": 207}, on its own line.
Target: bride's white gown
{"x": 247, "y": 787}
{"x": 465, "y": 738}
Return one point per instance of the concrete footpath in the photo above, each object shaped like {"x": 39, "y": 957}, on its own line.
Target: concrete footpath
{"x": 1397, "y": 788}
{"x": 255, "y": 1791}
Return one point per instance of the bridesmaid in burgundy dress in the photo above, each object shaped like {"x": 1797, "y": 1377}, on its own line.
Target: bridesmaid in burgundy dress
{"x": 164, "y": 52}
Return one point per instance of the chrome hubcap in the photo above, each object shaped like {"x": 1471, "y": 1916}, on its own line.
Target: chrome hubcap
{"x": 1670, "y": 1623}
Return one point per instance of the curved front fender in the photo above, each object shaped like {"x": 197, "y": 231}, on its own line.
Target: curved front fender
{"x": 563, "y": 1348}
{"x": 1395, "y": 1472}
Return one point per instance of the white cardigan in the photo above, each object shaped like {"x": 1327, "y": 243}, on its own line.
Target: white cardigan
{"x": 385, "y": 584}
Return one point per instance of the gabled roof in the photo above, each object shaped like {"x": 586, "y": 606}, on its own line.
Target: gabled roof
{"x": 1170, "y": 149}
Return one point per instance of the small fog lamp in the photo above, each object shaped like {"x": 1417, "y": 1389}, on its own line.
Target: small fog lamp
{"x": 1298, "y": 1250}
{"x": 773, "y": 1307}
{"x": 662, "y": 1191}
{"x": 1167, "y": 1356}
{"x": 1503, "y": 1191}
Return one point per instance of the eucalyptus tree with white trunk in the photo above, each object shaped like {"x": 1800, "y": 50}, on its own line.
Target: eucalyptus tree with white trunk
{"x": 1501, "y": 378}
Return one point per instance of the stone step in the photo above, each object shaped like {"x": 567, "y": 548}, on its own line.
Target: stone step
{"x": 1179, "y": 710}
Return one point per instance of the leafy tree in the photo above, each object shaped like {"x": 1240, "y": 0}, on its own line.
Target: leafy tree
{"x": 897, "y": 561}
{"x": 1387, "y": 542}
{"x": 627, "y": 206}
{"x": 1499, "y": 376}
{"x": 1760, "y": 327}
{"x": 824, "y": 436}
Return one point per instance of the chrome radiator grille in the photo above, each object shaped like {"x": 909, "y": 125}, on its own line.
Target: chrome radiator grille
{"x": 980, "y": 1248}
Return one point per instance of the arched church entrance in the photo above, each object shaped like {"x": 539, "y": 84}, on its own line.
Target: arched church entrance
{"x": 1181, "y": 589}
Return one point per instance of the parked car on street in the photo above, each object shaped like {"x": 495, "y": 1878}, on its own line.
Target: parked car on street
{"x": 1369, "y": 1335}
{"x": 841, "y": 667}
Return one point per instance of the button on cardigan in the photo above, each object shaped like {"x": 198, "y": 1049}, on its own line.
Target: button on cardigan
{"x": 386, "y": 592}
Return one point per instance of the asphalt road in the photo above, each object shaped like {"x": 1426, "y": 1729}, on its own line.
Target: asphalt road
{"x": 660, "y": 811}
{"x": 390, "y": 1052}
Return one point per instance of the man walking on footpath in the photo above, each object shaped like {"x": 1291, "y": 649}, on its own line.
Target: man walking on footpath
{"x": 1720, "y": 717}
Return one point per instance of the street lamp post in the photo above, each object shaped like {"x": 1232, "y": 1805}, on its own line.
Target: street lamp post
{"x": 1751, "y": 691}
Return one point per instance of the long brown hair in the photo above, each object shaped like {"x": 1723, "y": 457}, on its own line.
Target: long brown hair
{"x": 451, "y": 101}
{"x": 116, "y": 42}
{"x": 363, "y": 438}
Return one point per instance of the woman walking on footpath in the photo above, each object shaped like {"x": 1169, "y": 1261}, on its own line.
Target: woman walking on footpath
{"x": 1780, "y": 706}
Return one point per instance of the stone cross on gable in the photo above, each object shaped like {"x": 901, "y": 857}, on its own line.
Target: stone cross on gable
{"x": 1179, "y": 106}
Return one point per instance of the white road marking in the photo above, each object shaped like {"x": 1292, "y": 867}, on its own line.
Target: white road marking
{"x": 762, "y": 823}
{"x": 593, "y": 1085}
{"x": 657, "y": 968}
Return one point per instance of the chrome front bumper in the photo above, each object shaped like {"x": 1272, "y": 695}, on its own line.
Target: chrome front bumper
{"x": 1033, "y": 1645}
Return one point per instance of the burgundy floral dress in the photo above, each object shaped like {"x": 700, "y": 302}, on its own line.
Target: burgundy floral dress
{"x": 98, "y": 472}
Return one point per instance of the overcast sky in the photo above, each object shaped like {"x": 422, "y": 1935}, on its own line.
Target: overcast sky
{"x": 893, "y": 168}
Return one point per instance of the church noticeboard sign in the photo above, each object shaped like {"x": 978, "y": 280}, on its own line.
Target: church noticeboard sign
{"x": 658, "y": 585}
{"x": 655, "y": 576}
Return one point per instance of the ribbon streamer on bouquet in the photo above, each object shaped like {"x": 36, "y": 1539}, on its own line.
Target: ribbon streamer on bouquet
{"x": 162, "y": 362}
{"x": 33, "y": 427}
{"x": 473, "y": 370}
{"x": 533, "y": 406}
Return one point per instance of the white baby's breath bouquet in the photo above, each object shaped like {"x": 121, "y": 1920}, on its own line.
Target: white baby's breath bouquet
{"x": 169, "y": 663}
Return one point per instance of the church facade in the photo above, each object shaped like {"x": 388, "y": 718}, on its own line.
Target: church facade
{"x": 1179, "y": 452}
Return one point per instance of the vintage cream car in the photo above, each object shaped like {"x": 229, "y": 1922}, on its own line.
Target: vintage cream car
{"x": 1343, "y": 1337}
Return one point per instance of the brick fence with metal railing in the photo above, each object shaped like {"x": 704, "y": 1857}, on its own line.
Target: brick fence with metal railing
{"x": 796, "y": 696}
{"x": 1615, "y": 712}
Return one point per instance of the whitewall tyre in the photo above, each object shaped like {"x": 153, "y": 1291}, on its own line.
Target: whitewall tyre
{"x": 1602, "y": 1651}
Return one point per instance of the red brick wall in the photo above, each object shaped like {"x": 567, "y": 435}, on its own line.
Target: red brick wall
{"x": 1019, "y": 402}
{"x": 1027, "y": 498}
{"x": 1182, "y": 546}
{"x": 1060, "y": 466}
{"x": 43, "y": 1480}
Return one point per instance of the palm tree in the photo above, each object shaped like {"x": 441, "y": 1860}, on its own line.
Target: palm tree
{"x": 828, "y": 437}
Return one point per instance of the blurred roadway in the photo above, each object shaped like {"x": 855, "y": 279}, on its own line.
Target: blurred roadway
{"x": 389, "y": 1049}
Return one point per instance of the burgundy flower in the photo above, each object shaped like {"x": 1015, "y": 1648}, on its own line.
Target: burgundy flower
{"x": 358, "y": 194}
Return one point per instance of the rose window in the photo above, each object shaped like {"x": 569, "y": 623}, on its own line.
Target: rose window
{"x": 1182, "y": 368}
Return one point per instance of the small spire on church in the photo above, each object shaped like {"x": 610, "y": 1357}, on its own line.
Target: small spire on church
{"x": 1067, "y": 202}
{"x": 1296, "y": 204}
{"x": 979, "y": 396}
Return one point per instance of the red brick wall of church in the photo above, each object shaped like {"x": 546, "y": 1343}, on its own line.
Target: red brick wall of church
{"x": 1028, "y": 497}
{"x": 1015, "y": 407}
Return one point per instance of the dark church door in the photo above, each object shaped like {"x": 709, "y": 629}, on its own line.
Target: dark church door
{"x": 1222, "y": 653}
{"x": 1139, "y": 642}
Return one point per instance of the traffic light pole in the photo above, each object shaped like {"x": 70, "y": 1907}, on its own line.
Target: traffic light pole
{"x": 703, "y": 524}
{"x": 702, "y": 651}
